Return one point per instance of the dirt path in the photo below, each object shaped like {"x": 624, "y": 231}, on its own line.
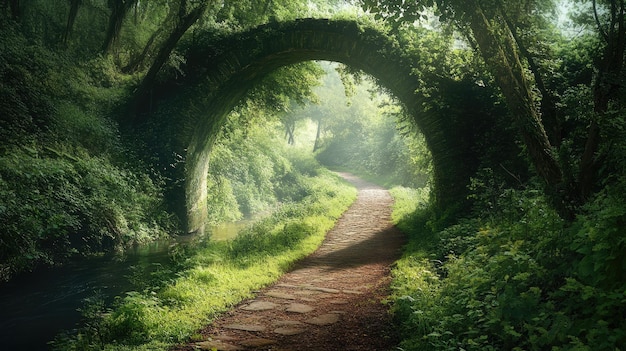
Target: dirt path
{"x": 331, "y": 300}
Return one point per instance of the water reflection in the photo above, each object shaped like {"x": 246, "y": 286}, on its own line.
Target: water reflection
{"x": 228, "y": 231}
{"x": 35, "y": 307}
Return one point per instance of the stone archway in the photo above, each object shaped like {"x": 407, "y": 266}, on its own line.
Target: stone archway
{"x": 219, "y": 72}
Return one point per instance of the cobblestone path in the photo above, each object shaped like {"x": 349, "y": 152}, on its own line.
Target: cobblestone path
{"x": 331, "y": 300}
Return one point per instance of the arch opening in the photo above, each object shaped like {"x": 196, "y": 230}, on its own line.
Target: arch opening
{"x": 226, "y": 70}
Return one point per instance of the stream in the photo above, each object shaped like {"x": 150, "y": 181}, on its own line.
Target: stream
{"x": 35, "y": 307}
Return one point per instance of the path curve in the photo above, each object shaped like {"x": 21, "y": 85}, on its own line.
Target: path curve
{"x": 331, "y": 300}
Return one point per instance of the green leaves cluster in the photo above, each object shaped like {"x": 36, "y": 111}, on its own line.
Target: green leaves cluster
{"x": 398, "y": 12}
{"x": 249, "y": 173}
{"x": 515, "y": 277}
{"x": 56, "y": 205}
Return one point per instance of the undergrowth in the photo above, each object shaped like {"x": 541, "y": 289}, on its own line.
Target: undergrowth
{"x": 64, "y": 204}
{"x": 207, "y": 279}
{"x": 514, "y": 276}
{"x": 69, "y": 185}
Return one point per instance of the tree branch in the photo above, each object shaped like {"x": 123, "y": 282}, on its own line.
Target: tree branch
{"x": 548, "y": 107}
{"x": 184, "y": 22}
{"x": 597, "y": 19}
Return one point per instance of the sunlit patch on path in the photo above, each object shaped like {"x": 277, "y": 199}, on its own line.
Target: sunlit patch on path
{"x": 331, "y": 300}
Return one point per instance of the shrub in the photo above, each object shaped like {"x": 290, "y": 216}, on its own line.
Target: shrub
{"x": 517, "y": 278}
{"x": 55, "y": 206}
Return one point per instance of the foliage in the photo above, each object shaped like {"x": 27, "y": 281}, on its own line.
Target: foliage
{"x": 54, "y": 204}
{"x": 408, "y": 203}
{"x": 250, "y": 171}
{"x": 515, "y": 276}
{"x": 26, "y": 105}
{"x": 67, "y": 187}
{"x": 360, "y": 130}
{"x": 522, "y": 41}
{"x": 213, "y": 276}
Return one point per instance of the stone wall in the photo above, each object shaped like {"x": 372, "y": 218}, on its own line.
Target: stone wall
{"x": 191, "y": 108}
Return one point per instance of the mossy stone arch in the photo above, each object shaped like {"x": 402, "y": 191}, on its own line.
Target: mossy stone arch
{"x": 189, "y": 109}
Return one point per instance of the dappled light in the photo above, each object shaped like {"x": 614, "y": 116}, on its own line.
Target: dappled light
{"x": 412, "y": 175}
{"x": 220, "y": 72}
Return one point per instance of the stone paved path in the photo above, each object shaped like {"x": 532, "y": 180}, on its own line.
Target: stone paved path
{"x": 331, "y": 300}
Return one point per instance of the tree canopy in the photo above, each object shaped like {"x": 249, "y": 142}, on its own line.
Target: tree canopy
{"x": 518, "y": 41}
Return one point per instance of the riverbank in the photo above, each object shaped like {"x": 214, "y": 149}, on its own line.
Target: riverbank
{"x": 207, "y": 280}
{"x": 37, "y": 306}
{"x": 32, "y": 300}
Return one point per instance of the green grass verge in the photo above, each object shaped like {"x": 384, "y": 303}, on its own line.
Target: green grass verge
{"x": 214, "y": 277}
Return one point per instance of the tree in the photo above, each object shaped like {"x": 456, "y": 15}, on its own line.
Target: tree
{"x": 548, "y": 100}
{"x": 119, "y": 10}
{"x": 71, "y": 18}
{"x": 500, "y": 54}
{"x": 186, "y": 18}
{"x": 607, "y": 84}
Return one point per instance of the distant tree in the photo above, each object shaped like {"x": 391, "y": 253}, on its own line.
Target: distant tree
{"x": 71, "y": 18}
{"x": 119, "y": 10}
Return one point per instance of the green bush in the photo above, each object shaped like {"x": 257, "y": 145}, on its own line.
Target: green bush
{"x": 517, "y": 277}
{"x": 80, "y": 129}
{"x": 26, "y": 105}
{"x": 54, "y": 206}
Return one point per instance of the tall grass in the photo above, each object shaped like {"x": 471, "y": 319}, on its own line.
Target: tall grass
{"x": 217, "y": 275}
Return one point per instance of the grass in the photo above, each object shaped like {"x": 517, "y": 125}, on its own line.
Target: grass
{"x": 212, "y": 278}
{"x": 415, "y": 277}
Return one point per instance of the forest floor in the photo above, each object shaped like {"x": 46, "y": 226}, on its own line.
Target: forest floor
{"x": 332, "y": 299}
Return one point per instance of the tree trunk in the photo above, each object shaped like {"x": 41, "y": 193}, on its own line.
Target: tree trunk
{"x": 548, "y": 102}
{"x": 606, "y": 88}
{"x": 169, "y": 21}
{"x": 71, "y": 18}
{"x": 508, "y": 72}
{"x": 316, "y": 145}
{"x": 138, "y": 60}
{"x": 290, "y": 127}
{"x": 183, "y": 24}
{"x": 119, "y": 9}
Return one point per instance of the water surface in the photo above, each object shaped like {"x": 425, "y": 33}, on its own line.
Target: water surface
{"x": 36, "y": 306}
